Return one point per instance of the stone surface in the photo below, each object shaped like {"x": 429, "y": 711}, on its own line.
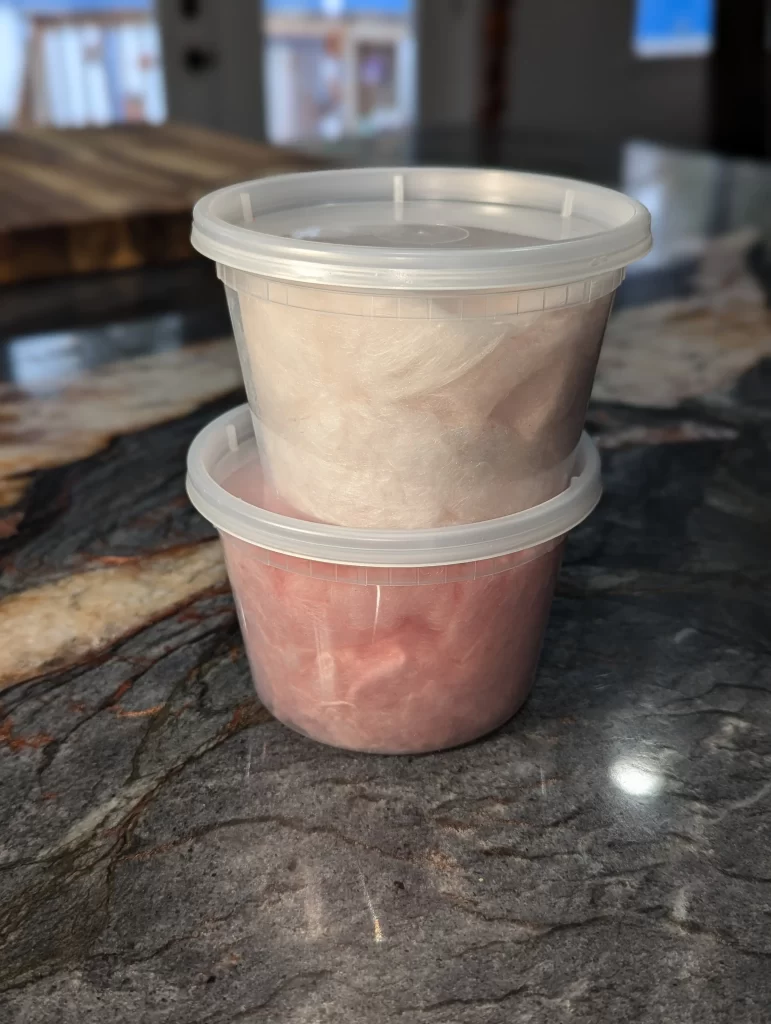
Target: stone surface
{"x": 54, "y": 422}
{"x": 170, "y": 854}
{"x": 60, "y": 623}
{"x": 663, "y": 352}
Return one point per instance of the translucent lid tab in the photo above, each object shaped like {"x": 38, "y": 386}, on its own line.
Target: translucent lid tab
{"x": 421, "y": 228}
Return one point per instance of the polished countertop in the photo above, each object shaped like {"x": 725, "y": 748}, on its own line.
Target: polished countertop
{"x": 169, "y": 853}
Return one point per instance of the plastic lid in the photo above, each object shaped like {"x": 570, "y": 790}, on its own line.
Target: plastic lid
{"x": 413, "y": 228}
{"x": 227, "y": 444}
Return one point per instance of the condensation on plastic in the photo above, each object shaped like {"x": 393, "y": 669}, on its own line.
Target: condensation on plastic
{"x": 374, "y": 556}
{"x": 417, "y": 228}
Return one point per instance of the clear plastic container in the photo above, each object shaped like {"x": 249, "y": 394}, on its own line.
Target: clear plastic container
{"x": 386, "y": 641}
{"x": 418, "y": 345}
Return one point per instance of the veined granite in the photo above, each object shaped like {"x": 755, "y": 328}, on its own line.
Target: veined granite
{"x": 171, "y": 854}
{"x": 52, "y": 423}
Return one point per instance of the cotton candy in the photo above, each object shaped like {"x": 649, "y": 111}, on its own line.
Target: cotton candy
{"x": 404, "y": 422}
{"x": 391, "y": 669}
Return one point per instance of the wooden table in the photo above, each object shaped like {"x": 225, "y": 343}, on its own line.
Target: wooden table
{"x": 110, "y": 198}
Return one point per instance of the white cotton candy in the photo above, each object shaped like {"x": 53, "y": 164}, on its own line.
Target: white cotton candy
{"x": 378, "y": 421}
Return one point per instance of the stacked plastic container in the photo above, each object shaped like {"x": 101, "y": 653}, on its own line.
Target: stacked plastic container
{"x": 418, "y": 347}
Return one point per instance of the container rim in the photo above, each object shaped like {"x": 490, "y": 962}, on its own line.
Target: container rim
{"x": 448, "y": 545}
{"x": 223, "y": 231}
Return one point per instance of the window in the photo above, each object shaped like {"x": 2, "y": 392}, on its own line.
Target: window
{"x": 71, "y": 63}
{"x": 337, "y": 67}
{"x": 673, "y": 28}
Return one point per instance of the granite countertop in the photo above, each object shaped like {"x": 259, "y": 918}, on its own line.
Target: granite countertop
{"x": 169, "y": 853}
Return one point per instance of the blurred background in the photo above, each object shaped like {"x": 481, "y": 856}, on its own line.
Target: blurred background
{"x": 330, "y": 67}
{"x": 116, "y": 115}
{"x": 690, "y": 72}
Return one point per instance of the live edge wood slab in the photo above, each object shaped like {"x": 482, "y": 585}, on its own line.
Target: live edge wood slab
{"x": 85, "y": 200}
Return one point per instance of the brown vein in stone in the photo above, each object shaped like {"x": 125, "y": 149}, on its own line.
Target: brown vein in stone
{"x": 15, "y": 742}
{"x": 684, "y": 432}
{"x": 143, "y": 713}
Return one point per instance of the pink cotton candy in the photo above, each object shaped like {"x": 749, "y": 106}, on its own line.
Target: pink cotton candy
{"x": 387, "y": 668}
{"x": 391, "y": 669}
